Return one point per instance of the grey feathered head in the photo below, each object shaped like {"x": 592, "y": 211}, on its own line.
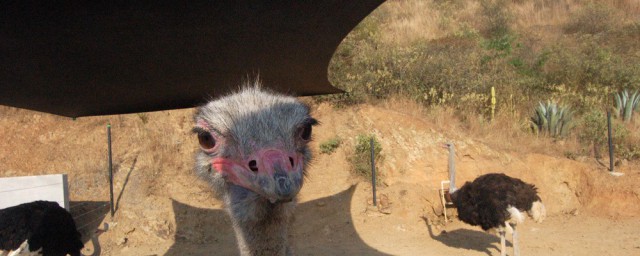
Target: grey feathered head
{"x": 256, "y": 140}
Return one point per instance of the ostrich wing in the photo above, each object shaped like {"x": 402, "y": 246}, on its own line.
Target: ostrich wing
{"x": 14, "y": 230}
{"x": 17, "y": 224}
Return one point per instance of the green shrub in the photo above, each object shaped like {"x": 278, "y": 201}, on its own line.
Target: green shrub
{"x": 589, "y": 64}
{"x": 330, "y": 145}
{"x": 631, "y": 152}
{"x": 593, "y": 19}
{"x": 497, "y": 18}
{"x": 552, "y": 119}
{"x": 594, "y": 127}
{"x": 595, "y": 132}
{"x": 626, "y": 103}
{"x": 625, "y": 144}
{"x": 360, "y": 159}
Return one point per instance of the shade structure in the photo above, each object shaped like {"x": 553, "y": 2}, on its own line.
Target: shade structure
{"x": 80, "y": 58}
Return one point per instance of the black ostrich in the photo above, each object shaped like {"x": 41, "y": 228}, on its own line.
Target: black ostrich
{"x": 495, "y": 201}
{"x": 253, "y": 151}
{"x": 41, "y": 226}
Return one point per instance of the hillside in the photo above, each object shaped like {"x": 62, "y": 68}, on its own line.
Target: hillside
{"x": 576, "y": 55}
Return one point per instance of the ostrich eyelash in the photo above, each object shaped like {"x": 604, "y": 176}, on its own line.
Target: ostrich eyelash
{"x": 311, "y": 121}
{"x": 199, "y": 130}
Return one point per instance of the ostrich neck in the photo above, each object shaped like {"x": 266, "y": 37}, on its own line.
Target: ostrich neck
{"x": 261, "y": 228}
{"x": 452, "y": 170}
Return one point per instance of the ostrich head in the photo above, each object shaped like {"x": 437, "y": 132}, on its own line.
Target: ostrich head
{"x": 253, "y": 145}
{"x": 452, "y": 166}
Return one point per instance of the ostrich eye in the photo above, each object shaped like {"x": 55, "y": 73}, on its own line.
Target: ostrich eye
{"x": 305, "y": 132}
{"x": 206, "y": 140}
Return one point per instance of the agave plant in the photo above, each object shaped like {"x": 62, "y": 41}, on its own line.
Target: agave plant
{"x": 626, "y": 103}
{"x": 552, "y": 119}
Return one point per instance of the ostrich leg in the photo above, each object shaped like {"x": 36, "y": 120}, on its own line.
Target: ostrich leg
{"x": 503, "y": 251}
{"x": 516, "y": 248}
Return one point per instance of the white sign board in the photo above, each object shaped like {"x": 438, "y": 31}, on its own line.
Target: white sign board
{"x": 19, "y": 190}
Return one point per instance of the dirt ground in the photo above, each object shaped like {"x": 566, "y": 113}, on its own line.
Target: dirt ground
{"x": 163, "y": 209}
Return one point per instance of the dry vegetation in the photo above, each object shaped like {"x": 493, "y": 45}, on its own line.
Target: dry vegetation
{"x": 410, "y": 21}
{"x": 446, "y": 55}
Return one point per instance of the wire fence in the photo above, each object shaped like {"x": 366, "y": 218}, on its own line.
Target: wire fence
{"x": 88, "y": 215}
{"x": 34, "y": 187}
{"x": 92, "y": 210}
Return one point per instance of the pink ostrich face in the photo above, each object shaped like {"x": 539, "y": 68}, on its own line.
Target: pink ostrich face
{"x": 262, "y": 148}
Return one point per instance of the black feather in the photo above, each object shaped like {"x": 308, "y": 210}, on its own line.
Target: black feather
{"x": 484, "y": 201}
{"x": 44, "y": 224}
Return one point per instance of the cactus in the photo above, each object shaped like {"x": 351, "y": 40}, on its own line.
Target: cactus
{"x": 493, "y": 102}
{"x": 552, "y": 119}
{"x": 626, "y": 103}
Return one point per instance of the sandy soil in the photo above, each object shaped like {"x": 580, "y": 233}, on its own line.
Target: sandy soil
{"x": 163, "y": 209}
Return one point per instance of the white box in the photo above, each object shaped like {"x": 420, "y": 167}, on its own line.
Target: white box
{"x": 25, "y": 189}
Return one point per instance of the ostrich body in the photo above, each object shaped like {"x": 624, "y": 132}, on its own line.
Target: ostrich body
{"x": 253, "y": 151}
{"x": 495, "y": 201}
{"x": 39, "y": 228}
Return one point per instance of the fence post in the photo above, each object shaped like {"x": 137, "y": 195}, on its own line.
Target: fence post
{"x": 110, "y": 170}
{"x": 610, "y": 141}
{"x": 373, "y": 171}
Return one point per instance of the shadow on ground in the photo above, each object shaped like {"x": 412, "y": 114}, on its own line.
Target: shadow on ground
{"x": 468, "y": 239}
{"x": 322, "y": 227}
{"x": 88, "y": 215}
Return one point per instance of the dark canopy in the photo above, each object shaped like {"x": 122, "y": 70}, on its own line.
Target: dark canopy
{"x": 79, "y": 58}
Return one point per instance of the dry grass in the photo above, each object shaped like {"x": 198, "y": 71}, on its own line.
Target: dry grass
{"x": 441, "y": 118}
{"x": 509, "y": 131}
{"x": 512, "y": 132}
{"x": 542, "y": 13}
{"x": 552, "y": 13}
{"x": 409, "y": 21}
{"x": 160, "y": 145}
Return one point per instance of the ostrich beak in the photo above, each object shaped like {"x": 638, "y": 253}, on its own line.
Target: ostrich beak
{"x": 279, "y": 173}
{"x": 272, "y": 173}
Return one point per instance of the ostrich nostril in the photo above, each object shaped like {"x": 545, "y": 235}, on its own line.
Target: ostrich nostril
{"x": 253, "y": 165}
{"x": 291, "y": 161}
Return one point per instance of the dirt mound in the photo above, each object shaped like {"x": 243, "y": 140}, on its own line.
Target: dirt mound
{"x": 162, "y": 208}
{"x": 415, "y": 160}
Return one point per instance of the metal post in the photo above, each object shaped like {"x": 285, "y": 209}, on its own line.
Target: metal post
{"x": 610, "y": 141}
{"x": 110, "y": 169}
{"x": 373, "y": 171}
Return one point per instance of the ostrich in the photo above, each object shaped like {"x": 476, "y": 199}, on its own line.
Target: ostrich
{"x": 253, "y": 152}
{"x": 38, "y": 227}
{"x": 495, "y": 201}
